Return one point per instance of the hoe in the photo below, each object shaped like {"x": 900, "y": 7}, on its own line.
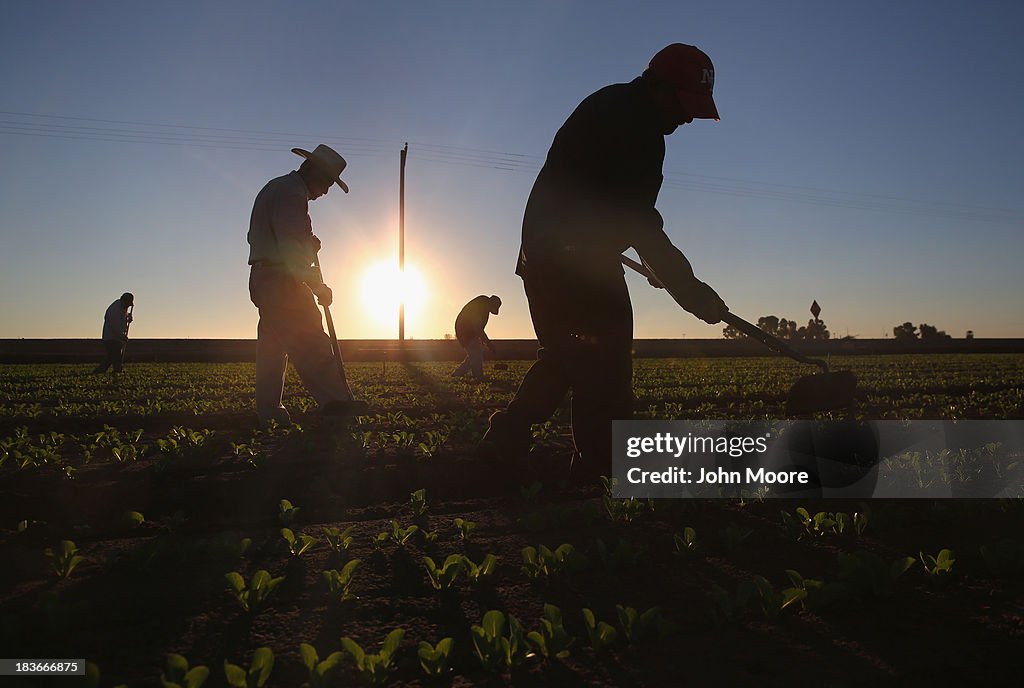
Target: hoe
{"x": 822, "y": 391}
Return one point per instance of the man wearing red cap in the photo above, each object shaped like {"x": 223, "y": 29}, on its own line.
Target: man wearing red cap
{"x": 593, "y": 199}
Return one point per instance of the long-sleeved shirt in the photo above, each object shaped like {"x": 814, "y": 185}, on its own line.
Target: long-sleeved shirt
{"x": 115, "y": 321}
{"x": 472, "y": 320}
{"x": 280, "y": 231}
{"x": 595, "y": 196}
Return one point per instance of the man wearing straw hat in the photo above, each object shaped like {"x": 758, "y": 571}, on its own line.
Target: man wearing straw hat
{"x": 284, "y": 277}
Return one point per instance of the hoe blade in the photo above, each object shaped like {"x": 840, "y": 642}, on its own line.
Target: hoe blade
{"x": 821, "y": 392}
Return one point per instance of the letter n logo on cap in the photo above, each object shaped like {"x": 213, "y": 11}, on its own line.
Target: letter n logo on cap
{"x": 708, "y": 77}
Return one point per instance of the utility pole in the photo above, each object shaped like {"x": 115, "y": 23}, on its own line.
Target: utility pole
{"x": 401, "y": 247}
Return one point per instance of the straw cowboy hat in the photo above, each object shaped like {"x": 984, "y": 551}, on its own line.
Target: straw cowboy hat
{"x": 328, "y": 160}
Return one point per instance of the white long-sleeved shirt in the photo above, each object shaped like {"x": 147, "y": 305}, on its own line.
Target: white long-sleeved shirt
{"x": 280, "y": 231}
{"x": 115, "y": 321}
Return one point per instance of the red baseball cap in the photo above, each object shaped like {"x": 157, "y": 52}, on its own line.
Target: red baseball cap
{"x": 690, "y": 71}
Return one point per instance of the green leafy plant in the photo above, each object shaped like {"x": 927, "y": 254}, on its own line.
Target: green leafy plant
{"x": 297, "y": 544}
{"x": 636, "y": 627}
{"x": 686, "y": 543}
{"x": 379, "y": 540}
{"x": 259, "y": 670}
{"x": 374, "y": 668}
{"x": 495, "y": 648}
{"x": 479, "y": 573}
{"x": 624, "y": 510}
{"x": 177, "y": 674}
{"x": 337, "y": 539}
{"x": 542, "y": 562}
{"x": 465, "y": 528}
{"x": 601, "y": 634}
{"x": 320, "y": 672}
{"x": 432, "y": 442}
{"x": 418, "y": 502}
{"x": 286, "y": 513}
{"x": 940, "y": 565}
{"x": 338, "y": 582}
{"x": 443, "y": 577}
{"x": 552, "y": 641}
{"x": 64, "y": 558}
{"x": 436, "y": 661}
{"x": 254, "y": 596}
{"x": 813, "y": 593}
{"x": 774, "y": 602}
{"x": 399, "y": 535}
{"x": 132, "y": 519}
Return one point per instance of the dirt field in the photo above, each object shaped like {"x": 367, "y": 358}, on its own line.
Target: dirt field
{"x": 164, "y": 485}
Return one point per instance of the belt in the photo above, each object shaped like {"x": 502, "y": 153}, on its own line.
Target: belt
{"x": 266, "y": 264}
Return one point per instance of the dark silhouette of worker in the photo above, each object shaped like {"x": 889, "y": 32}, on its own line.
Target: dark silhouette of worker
{"x": 469, "y": 330}
{"x": 593, "y": 199}
{"x": 116, "y": 321}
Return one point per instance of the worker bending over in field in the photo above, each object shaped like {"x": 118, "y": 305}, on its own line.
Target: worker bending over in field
{"x": 593, "y": 199}
{"x": 469, "y": 330}
{"x": 282, "y": 282}
{"x": 115, "y": 333}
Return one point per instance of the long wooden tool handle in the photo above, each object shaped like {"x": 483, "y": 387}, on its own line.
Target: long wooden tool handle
{"x": 335, "y": 347}
{"x": 734, "y": 320}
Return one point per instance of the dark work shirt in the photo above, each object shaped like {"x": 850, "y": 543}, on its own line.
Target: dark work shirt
{"x": 472, "y": 319}
{"x": 595, "y": 196}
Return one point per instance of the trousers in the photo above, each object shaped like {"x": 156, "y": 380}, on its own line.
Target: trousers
{"x": 585, "y": 332}
{"x": 474, "y": 361}
{"x": 291, "y": 328}
{"x": 113, "y": 355}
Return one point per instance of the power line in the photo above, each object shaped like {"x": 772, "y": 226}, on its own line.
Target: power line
{"x": 115, "y": 131}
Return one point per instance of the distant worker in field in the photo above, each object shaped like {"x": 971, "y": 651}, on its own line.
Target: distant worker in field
{"x": 593, "y": 199}
{"x": 469, "y": 330}
{"x": 282, "y": 282}
{"x": 116, "y": 321}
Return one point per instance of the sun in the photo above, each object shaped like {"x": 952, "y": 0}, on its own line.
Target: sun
{"x": 383, "y": 287}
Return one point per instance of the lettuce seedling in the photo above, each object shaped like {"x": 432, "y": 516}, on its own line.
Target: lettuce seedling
{"x": 493, "y": 647}
{"x": 774, "y": 602}
{"x": 132, "y": 519}
{"x": 636, "y": 627}
{"x": 418, "y": 502}
{"x": 685, "y": 544}
{"x": 320, "y": 672}
{"x": 379, "y": 540}
{"x": 286, "y": 513}
{"x": 253, "y": 597}
{"x": 436, "y": 661}
{"x": 399, "y": 535}
{"x": 552, "y": 640}
{"x": 374, "y": 668}
{"x": 541, "y": 561}
{"x": 297, "y": 544}
{"x": 465, "y": 528}
{"x": 940, "y": 565}
{"x": 176, "y": 674}
{"x": 600, "y": 633}
{"x": 338, "y": 582}
{"x": 443, "y": 577}
{"x": 477, "y": 574}
{"x": 64, "y": 559}
{"x": 816, "y": 594}
{"x": 338, "y": 539}
{"x": 258, "y": 673}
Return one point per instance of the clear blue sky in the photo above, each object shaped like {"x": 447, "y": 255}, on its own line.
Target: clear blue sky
{"x": 869, "y": 155}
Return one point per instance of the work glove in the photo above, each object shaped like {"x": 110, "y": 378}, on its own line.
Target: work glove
{"x": 324, "y": 295}
{"x": 705, "y": 303}
{"x": 128, "y": 318}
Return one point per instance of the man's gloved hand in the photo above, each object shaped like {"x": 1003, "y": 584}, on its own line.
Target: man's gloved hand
{"x": 128, "y": 318}
{"x": 324, "y": 295}
{"x": 705, "y": 303}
